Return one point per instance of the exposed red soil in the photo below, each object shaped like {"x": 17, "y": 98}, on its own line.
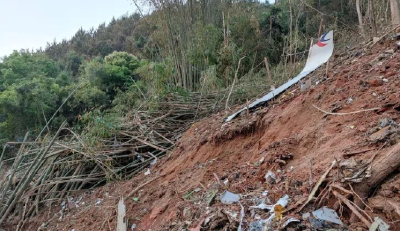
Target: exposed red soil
{"x": 286, "y": 135}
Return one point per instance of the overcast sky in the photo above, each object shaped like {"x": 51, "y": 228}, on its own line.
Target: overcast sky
{"x": 33, "y": 23}
{"x": 30, "y": 24}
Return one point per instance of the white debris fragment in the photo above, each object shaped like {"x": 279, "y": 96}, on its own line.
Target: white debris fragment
{"x": 98, "y": 202}
{"x": 264, "y": 194}
{"x": 290, "y": 220}
{"x": 226, "y": 182}
{"x": 282, "y": 202}
{"x": 327, "y": 214}
{"x": 379, "y": 224}
{"x": 305, "y": 216}
{"x": 154, "y": 162}
{"x": 350, "y": 100}
{"x": 229, "y": 198}
{"x": 147, "y": 172}
{"x": 270, "y": 177}
{"x": 262, "y": 206}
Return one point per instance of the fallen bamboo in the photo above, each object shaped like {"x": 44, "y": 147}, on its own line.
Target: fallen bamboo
{"x": 346, "y": 113}
{"x": 316, "y": 187}
{"x": 352, "y": 208}
{"x": 49, "y": 169}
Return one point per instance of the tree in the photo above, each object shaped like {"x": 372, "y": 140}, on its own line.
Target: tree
{"x": 360, "y": 18}
{"x": 394, "y": 9}
{"x": 31, "y": 90}
{"x": 371, "y": 12}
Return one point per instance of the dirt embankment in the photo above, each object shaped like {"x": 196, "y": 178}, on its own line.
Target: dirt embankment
{"x": 290, "y": 138}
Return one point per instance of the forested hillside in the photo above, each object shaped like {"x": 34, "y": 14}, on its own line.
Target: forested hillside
{"x": 85, "y": 122}
{"x": 181, "y": 47}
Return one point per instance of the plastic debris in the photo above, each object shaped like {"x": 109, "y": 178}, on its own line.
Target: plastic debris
{"x": 154, "y": 162}
{"x": 256, "y": 226}
{"x": 98, "y": 202}
{"x": 290, "y": 220}
{"x": 283, "y": 201}
{"x": 350, "y": 100}
{"x": 379, "y": 224}
{"x": 147, "y": 172}
{"x": 229, "y": 198}
{"x": 63, "y": 205}
{"x": 327, "y": 214}
{"x": 262, "y": 206}
{"x": 322, "y": 225}
{"x": 242, "y": 214}
{"x": 304, "y": 86}
{"x": 276, "y": 211}
{"x": 353, "y": 170}
{"x": 264, "y": 194}
{"x": 305, "y": 216}
{"x": 270, "y": 177}
{"x": 226, "y": 182}
{"x": 210, "y": 195}
{"x": 279, "y": 207}
{"x": 133, "y": 226}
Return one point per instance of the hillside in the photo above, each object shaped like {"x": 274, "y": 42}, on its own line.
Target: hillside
{"x": 133, "y": 113}
{"x": 290, "y": 138}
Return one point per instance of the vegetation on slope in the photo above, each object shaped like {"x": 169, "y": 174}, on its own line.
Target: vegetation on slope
{"x": 181, "y": 47}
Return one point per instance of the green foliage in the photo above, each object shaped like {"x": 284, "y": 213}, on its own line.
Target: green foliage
{"x": 99, "y": 125}
{"x": 105, "y": 80}
{"x": 182, "y": 46}
{"x": 31, "y": 90}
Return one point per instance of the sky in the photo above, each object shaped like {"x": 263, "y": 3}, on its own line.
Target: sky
{"x": 30, "y": 24}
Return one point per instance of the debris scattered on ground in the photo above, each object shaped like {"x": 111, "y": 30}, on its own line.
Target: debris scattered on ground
{"x": 386, "y": 130}
{"x": 229, "y": 198}
{"x": 380, "y": 225}
{"x": 327, "y": 214}
{"x": 98, "y": 202}
{"x": 354, "y": 170}
{"x": 289, "y": 221}
{"x": 275, "y": 145}
{"x": 270, "y": 177}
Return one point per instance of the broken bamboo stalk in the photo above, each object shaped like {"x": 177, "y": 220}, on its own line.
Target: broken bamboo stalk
{"x": 346, "y": 113}
{"x": 352, "y": 208}
{"x": 121, "y": 217}
{"x": 316, "y": 187}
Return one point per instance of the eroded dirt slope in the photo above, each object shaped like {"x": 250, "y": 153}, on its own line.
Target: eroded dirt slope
{"x": 290, "y": 138}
